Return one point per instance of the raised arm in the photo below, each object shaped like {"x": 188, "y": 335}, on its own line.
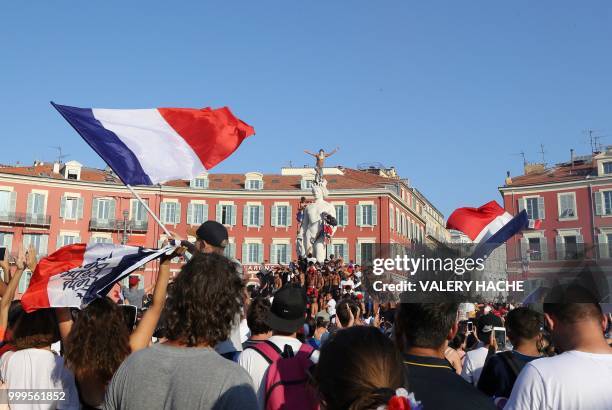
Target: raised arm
{"x": 329, "y": 154}
{"x": 141, "y": 337}
{"x": 5, "y": 266}
{"x": 9, "y": 295}
{"x": 310, "y": 153}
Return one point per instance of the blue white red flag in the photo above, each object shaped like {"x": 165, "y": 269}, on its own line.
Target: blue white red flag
{"x": 488, "y": 226}
{"x": 76, "y": 274}
{"x": 152, "y": 146}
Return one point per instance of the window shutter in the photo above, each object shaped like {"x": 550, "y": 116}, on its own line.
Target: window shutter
{"x": 524, "y": 247}
{"x": 358, "y": 215}
{"x": 219, "y": 213}
{"x": 273, "y": 213}
{"x": 598, "y": 203}
{"x": 44, "y": 242}
{"x": 289, "y": 219}
{"x": 232, "y": 250}
{"x": 374, "y": 215}
{"x": 522, "y": 204}
{"x": 192, "y": 183}
{"x": 288, "y": 257}
{"x": 391, "y": 219}
{"x": 63, "y": 207}
{"x": 189, "y": 213}
{"x": 560, "y": 247}
{"x": 162, "y": 212}
{"x": 261, "y": 215}
{"x": 59, "y": 242}
{"x": 134, "y": 209}
{"x": 234, "y": 212}
{"x": 245, "y": 215}
{"x": 8, "y": 244}
{"x": 111, "y": 212}
{"x": 177, "y": 215}
{"x": 80, "y": 203}
{"x": 260, "y": 248}
{"x": 273, "y": 258}
{"x": 541, "y": 210}
{"x": 30, "y": 203}
{"x": 329, "y": 250}
{"x": 358, "y": 252}
{"x": 94, "y": 208}
{"x": 345, "y": 211}
{"x": 78, "y": 239}
{"x": 12, "y": 201}
{"x": 544, "y": 248}
{"x": 602, "y": 243}
{"x": 345, "y": 252}
{"x": 245, "y": 253}
{"x": 204, "y": 212}
{"x": 580, "y": 244}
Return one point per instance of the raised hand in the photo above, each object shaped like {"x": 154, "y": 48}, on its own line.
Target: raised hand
{"x": 30, "y": 258}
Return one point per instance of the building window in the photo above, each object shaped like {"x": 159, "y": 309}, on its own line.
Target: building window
{"x": 341, "y": 214}
{"x": 567, "y": 205}
{"x": 609, "y": 240}
{"x": 72, "y": 175}
{"x": 197, "y": 213}
{"x": 36, "y": 204}
{"x": 230, "y": 250}
{"x": 104, "y": 209}
{"x": 139, "y": 213}
{"x": 535, "y": 251}
{"x": 280, "y": 253}
{"x": 366, "y": 215}
{"x": 571, "y": 246}
{"x": 38, "y": 241}
{"x": 253, "y": 253}
{"x": 340, "y": 250}
{"x": 170, "y": 212}
{"x": 534, "y": 207}
{"x": 253, "y": 215}
{"x": 365, "y": 253}
{"x": 305, "y": 184}
{"x": 607, "y": 167}
{"x": 254, "y": 184}
{"x": 607, "y": 195}
{"x": 67, "y": 239}
{"x": 7, "y": 202}
{"x": 282, "y": 215}
{"x": 71, "y": 208}
{"x": 201, "y": 183}
{"x": 6, "y": 241}
{"x": 391, "y": 219}
{"x": 226, "y": 214}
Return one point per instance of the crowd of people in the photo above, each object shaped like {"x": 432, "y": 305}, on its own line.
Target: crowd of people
{"x": 308, "y": 336}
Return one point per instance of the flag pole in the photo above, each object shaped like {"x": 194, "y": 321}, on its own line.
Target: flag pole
{"x": 149, "y": 211}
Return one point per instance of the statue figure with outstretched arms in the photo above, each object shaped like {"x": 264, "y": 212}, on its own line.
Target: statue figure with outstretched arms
{"x": 318, "y": 224}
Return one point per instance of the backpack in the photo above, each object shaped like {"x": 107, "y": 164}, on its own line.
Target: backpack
{"x": 286, "y": 382}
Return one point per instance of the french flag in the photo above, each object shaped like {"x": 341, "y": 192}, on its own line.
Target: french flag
{"x": 152, "y": 146}
{"x": 75, "y": 275}
{"x": 488, "y": 226}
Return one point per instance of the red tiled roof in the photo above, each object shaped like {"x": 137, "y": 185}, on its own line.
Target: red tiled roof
{"x": 352, "y": 178}
{"x": 559, "y": 173}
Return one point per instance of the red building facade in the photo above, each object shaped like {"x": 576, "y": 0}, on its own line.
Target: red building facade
{"x": 52, "y": 205}
{"x": 573, "y": 201}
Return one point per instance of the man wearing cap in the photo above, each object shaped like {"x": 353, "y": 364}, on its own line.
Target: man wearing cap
{"x": 285, "y": 317}
{"x": 212, "y": 237}
{"x": 475, "y": 359}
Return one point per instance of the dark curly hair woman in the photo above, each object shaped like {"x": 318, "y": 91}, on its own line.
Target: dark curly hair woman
{"x": 185, "y": 372}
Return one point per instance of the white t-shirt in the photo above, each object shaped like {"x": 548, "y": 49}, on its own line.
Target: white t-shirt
{"x": 331, "y": 307}
{"x": 572, "y": 380}
{"x": 254, "y": 363}
{"x": 473, "y": 364}
{"x": 347, "y": 282}
{"x": 39, "y": 369}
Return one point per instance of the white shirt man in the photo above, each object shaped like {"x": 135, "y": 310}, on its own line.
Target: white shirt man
{"x": 473, "y": 363}
{"x": 331, "y": 307}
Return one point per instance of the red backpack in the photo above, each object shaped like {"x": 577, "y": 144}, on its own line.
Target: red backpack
{"x": 286, "y": 382}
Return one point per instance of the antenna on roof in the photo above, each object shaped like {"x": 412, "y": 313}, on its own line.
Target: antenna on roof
{"x": 60, "y": 156}
{"x": 594, "y": 140}
{"x": 543, "y": 153}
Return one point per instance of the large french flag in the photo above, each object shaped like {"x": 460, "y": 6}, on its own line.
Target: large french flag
{"x": 488, "y": 226}
{"x": 76, "y": 274}
{"x": 152, "y": 146}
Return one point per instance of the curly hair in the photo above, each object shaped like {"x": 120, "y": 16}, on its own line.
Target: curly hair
{"x": 203, "y": 301}
{"x": 35, "y": 330}
{"x": 371, "y": 366}
{"x": 98, "y": 341}
{"x": 256, "y": 316}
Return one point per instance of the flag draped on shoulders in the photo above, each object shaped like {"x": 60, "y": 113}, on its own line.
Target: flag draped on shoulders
{"x": 76, "y": 274}
{"x": 152, "y": 146}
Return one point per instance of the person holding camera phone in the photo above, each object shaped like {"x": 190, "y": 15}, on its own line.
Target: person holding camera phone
{"x": 475, "y": 359}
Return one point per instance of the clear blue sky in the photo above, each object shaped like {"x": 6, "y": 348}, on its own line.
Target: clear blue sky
{"x": 444, "y": 91}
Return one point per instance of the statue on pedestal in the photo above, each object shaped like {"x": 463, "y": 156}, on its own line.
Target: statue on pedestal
{"x": 318, "y": 224}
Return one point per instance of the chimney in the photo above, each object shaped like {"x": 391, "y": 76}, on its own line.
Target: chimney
{"x": 56, "y": 167}
{"x": 534, "y": 168}
{"x": 508, "y": 178}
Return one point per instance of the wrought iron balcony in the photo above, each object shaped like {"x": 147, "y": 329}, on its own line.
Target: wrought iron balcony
{"x": 116, "y": 225}
{"x": 23, "y": 219}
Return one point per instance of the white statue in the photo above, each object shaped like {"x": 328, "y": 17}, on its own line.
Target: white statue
{"x": 317, "y": 215}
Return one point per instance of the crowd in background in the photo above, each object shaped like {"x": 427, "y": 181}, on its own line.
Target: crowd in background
{"x": 307, "y": 336}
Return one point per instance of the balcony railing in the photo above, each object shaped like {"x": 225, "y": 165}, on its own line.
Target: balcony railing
{"x": 117, "y": 225}
{"x": 22, "y": 219}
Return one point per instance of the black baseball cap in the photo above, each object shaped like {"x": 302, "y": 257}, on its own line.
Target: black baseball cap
{"x": 487, "y": 322}
{"x": 288, "y": 308}
{"x": 213, "y": 233}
